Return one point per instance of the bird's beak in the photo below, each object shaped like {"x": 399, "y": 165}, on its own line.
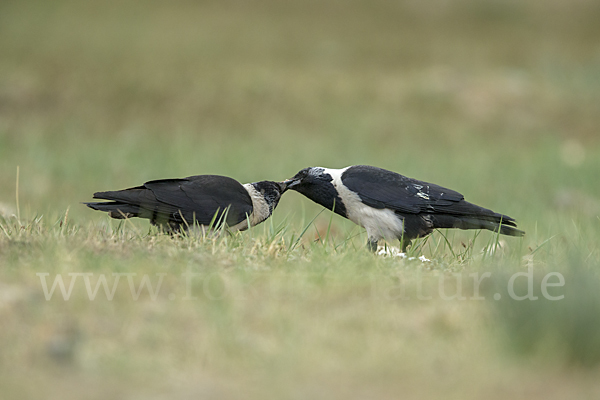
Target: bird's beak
{"x": 288, "y": 184}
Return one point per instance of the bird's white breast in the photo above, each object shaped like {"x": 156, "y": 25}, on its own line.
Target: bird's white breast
{"x": 379, "y": 223}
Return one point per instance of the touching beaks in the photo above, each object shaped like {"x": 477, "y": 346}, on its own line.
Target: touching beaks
{"x": 290, "y": 183}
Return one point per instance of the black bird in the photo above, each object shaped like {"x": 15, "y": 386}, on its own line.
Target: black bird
{"x": 202, "y": 199}
{"x": 391, "y": 206}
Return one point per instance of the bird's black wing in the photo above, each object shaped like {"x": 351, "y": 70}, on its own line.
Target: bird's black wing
{"x": 380, "y": 188}
{"x": 195, "y": 198}
{"x": 445, "y": 208}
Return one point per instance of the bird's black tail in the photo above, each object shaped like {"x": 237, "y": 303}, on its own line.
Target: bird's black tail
{"x": 506, "y": 226}
{"x": 115, "y": 209}
{"x": 128, "y": 203}
{"x": 478, "y": 218}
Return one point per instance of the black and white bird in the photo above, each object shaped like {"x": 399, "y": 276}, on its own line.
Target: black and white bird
{"x": 177, "y": 204}
{"x": 391, "y": 206}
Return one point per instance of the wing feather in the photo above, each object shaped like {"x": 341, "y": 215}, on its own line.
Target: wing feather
{"x": 195, "y": 198}
{"x": 381, "y": 188}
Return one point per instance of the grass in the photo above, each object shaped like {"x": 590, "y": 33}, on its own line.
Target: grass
{"x": 498, "y": 100}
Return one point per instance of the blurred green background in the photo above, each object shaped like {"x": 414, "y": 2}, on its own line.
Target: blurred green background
{"x": 498, "y": 99}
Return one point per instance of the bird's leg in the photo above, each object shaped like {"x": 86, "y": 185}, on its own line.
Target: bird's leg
{"x": 372, "y": 245}
{"x": 404, "y": 243}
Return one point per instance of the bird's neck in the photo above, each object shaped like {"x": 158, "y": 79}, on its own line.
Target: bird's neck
{"x": 327, "y": 196}
{"x": 260, "y": 207}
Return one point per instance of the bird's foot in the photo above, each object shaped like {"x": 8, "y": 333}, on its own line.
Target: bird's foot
{"x": 372, "y": 245}
{"x": 404, "y": 243}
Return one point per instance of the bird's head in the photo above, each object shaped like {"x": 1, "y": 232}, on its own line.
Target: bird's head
{"x": 308, "y": 178}
{"x": 317, "y": 184}
{"x": 271, "y": 192}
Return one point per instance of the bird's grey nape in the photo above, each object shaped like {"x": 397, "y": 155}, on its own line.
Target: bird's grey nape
{"x": 271, "y": 192}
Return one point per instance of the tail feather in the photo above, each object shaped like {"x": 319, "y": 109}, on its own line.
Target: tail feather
{"x": 138, "y": 200}
{"x": 465, "y": 215}
{"x": 135, "y": 202}
{"x": 505, "y": 224}
{"x": 116, "y": 209}
{"x": 136, "y": 195}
